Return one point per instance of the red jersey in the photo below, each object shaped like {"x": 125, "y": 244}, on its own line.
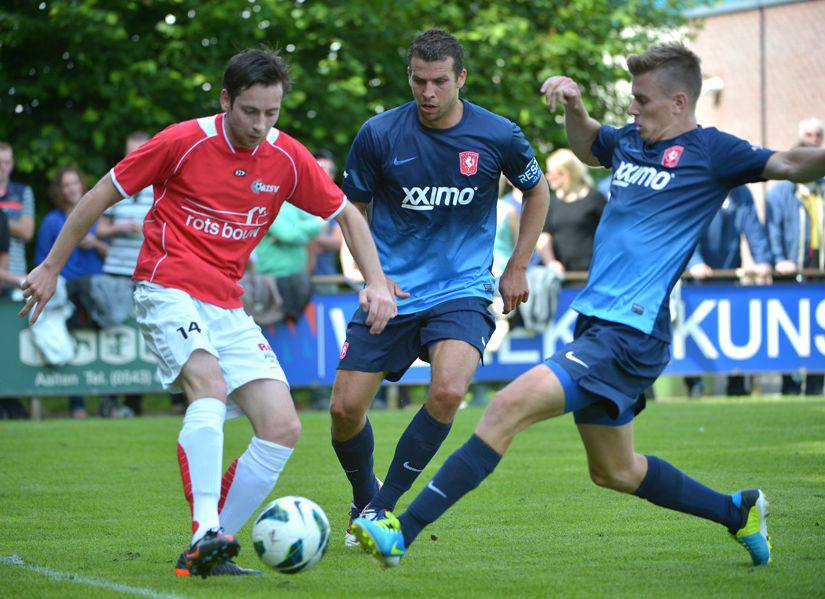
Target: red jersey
{"x": 214, "y": 203}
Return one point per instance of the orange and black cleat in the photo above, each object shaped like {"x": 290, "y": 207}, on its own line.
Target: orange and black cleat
{"x": 213, "y": 548}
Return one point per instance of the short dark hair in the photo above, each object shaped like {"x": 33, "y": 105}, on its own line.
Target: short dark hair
{"x": 255, "y": 66}
{"x": 437, "y": 44}
{"x": 5, "y": 146}
{"x": 675, "y": 63}
{"x": 323, "y": 154}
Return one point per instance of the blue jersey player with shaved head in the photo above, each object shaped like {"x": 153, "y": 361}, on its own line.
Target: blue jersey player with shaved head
{"x": 430, "y": 168}
{"x": 670, "y": 176}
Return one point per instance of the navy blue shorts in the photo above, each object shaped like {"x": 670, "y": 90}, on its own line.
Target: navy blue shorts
{"x": 606, "y": 369}
{"x": 409, "y": 336}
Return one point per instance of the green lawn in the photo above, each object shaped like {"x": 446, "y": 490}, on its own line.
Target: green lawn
{"x": 102, "y": 499}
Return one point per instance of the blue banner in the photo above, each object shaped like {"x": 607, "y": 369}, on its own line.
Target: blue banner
{"x": 718, "y": 329}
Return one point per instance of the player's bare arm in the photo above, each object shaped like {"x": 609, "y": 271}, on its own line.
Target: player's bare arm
{"x": 799, "y": 165}
{"x": 513, "y": 283}
{"x": 40, "y": 283}
{"x": 581, "y": 128}
{"x": 375, "y": 298}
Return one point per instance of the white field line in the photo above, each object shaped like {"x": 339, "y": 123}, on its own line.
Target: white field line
{"x": 14, "y": 560}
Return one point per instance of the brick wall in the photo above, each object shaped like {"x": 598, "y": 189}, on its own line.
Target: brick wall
{"x": 795, "y": 70}
{"x": 729, "y": 47}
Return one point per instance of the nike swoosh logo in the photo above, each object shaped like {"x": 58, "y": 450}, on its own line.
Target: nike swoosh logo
{"x": 569, "y": 355}
{"x": 398, "y": 162}
{"x": 435, "y": 489}
{"x": 350, "y": 471}
{"x": 395, "y": 550}
{"x": 410, "y": 468}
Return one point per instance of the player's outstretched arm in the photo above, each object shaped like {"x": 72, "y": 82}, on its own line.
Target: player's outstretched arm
{"x": 39, "y": 285}
{"x": 375, "y": 298}
{"x": 799, "y": 165}
{"x": 513, "y": 282}
{"x": 581, "y": 128}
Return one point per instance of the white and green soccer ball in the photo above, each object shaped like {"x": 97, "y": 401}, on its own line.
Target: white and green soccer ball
{"x": 291, "y": 534}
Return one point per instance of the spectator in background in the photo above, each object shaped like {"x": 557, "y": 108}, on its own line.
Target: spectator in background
{"x": 324, "y": 249}
{"x": 67, "y": 187}
{"x": 121, "y": 226}
{"x": 574, "y": 213}
{"x": 284, "y": 250}
{"x": 17, "y": 203}
{"x": 811, "y": 132}
{"x": 795, "y": 217}
{"x": 720, "y": 249}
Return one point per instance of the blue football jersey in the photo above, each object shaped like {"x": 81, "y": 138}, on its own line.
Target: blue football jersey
{"x": 662, "y": 197}
{"x": 434, "y": 194}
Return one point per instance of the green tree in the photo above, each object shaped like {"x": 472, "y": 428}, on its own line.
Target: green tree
{"x": 77, "y": 75}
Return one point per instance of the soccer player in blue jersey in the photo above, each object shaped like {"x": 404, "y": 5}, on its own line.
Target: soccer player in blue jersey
{"x": 430, "y": 168}
{"x": 670, "y": 177}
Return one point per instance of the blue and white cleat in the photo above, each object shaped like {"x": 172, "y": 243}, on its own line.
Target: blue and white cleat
{"x": 367, "y": 512}
{"x": 753, "y": 536}
{"x": 382, "y": 538}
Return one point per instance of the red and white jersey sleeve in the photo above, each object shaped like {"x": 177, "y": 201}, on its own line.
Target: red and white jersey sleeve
{"x": 154, "y": 161}
{"x": 314, "y": 192}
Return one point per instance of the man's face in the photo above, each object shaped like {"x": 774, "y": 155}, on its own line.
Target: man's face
{"x": 253, "y": 113}
{"x": 812, "y": 138}
{"x": 434, "y": 87}
{"x": 6, "y": 164}
{"x": 71, "y": 188}
{"x": 653, "y": 109}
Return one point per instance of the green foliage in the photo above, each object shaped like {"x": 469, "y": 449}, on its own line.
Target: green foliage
{"x": 77, "y": 75}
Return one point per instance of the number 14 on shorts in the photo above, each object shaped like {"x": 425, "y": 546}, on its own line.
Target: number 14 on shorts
{"x": 193, "y": 326}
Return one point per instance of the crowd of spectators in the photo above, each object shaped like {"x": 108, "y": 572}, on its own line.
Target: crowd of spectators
{"x": 788, "y": 240}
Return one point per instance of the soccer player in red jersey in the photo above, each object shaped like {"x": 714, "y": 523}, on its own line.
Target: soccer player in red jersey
{"x": 219, "y": 182}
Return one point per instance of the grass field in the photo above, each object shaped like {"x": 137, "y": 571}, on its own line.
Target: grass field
{"x": 102, "y": 500}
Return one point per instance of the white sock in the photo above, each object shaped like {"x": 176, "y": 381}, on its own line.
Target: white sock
{"x": 255, "y": 475}
{"x": 200, "y": 454}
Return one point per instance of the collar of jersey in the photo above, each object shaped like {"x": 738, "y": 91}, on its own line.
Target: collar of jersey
{"x": 249, "y": 151}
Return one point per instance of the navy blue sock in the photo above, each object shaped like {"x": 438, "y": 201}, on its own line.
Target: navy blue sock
{"x": 355, "y": 456}
{"x": 668, "y": 487}
{"x": 461, "y": 473}
{"x": 415, "y": 449}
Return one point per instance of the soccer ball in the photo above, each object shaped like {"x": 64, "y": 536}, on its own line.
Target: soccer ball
{"x": 291, "y": 534}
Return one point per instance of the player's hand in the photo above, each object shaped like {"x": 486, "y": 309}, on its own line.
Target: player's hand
{"x": 786, "y": 267}
{"x": 513, "y": 288}
{"x": 379, "y": 305}
{"x": 560, "y": 89}
{"x": 395, "y": 290}
{"x": 700, "y": 271}
{"x": 38, "y": 288}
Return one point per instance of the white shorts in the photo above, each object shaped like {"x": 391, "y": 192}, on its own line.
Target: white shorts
{"x": 174, "y": 324}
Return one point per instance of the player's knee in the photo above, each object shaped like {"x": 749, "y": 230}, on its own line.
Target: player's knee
{"x": 344, "y": 413}
{"x": 283, "y": 431}
{"x": 500, "y": 413}
{"x": 617, "y": 479}
{"x": 197, "y": 387}
{"x": 445, "y": 397}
